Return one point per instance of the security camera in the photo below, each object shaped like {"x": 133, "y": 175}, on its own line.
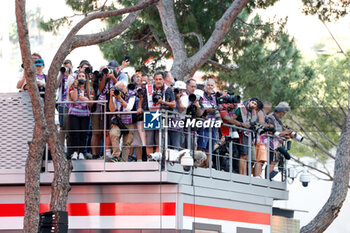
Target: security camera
{"x": 156, "y": 156}
{"x": 305, "y": 178}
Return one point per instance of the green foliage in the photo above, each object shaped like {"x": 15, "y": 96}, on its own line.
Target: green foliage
{"x": 326, "y": 10}
{"x": 266, "y": 62}
{"x": 326, "y": 106}
{"x": 53, "y": 25}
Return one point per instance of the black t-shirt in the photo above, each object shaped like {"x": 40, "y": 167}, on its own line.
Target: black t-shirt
{"x": 169, "y": 96}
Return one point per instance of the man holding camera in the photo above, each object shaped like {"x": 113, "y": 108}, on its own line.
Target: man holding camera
{"x": 156, "y": 97}
{"x": 122, "y": 99}
{"x": 246, "y": 116}
{"x": 174, "y": 131}
{"x": 209, "y": 111}
{"x": 274, "y": 119}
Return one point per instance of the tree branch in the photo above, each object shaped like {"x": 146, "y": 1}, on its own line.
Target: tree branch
{"x": 136, "y": 41}
{"x": 159, "y": 41}
{"x": 324, "y": 135}
{"x": 221, "y": 29}
{"x": 315, "y": 142}
{"x": 313, "y": 168}
{"x": 199, "y": 37}
{"x": 219, "y": 65}
{"x": 172, "y": 33}
{"x": 86, "y": 40}
{"x": 252, "y": 25}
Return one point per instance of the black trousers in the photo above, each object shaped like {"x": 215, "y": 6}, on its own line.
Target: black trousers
{"x": 79, "y": 127}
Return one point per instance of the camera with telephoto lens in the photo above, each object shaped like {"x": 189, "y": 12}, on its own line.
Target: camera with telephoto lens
{"x": 140, "y": 92}
{"x": 81, "y": 81}
{"x": 156, "y": 97}
{"x": 176, "y": 91}
{"x": 260, "y": 129}
{"x": 64, "y": 70}
{"x": 116, "y": 91}
{"x": 194, "y": 98}
{"x": 131, "y": 86}
{"x": 107, "y": 71}
{"x": 88, "y": 70}
{"x": 232, "y": 99}
{"x": 297, "y": 136}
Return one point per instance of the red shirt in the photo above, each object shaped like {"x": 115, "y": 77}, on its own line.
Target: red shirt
{"x": 224, "y": 112}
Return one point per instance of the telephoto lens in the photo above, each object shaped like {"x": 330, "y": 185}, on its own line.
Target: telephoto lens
{"x": 176, "y": 91}
{"x": 81, "y": 82}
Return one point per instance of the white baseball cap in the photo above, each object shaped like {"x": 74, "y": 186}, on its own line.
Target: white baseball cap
{"x": 180, "y": 85}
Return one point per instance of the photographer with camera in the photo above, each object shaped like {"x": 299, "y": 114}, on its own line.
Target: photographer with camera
{"x": 227, "y": 106}
{"x": 139, "y": 142}
{"x": 63, "y": 80}
{"x": 275, "y": 119}
{"x": 122, "y": 100}
{"x": 156, "y": 97}
{"x": 79, "y": 114}
{"x": 246, "y": 116}
{"x": 175, "y": 133}
{"x": 209, "y": 111}
{"x": 107, "y": 79}
{"x": 21, "y": 84}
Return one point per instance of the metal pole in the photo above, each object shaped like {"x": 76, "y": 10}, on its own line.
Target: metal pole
{"x": 210, "y": 150}
{"x": 160, "y": 136}
{"x": 189, "y": 138}
{"x": 104, "y": 137}
{"x": 230, "y": 152}
{"x": 268, "y": 159}
{"x": 250, "y": 154}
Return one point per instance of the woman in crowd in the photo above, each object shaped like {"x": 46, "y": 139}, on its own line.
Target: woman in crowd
{"x": 79, "y": 113}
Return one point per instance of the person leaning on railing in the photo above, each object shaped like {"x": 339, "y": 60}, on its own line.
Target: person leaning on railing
{"x": 227, "y": 111}
{"x": 123, "y": 125}
{"x": 79, "y": 114}
{"x": 274, "y": 119}
{"x": 246, "y": 115}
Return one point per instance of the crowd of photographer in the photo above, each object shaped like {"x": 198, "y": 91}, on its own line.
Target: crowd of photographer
{"x": 90, "y": 94}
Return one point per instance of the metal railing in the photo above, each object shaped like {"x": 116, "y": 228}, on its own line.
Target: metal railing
{"x": 187, "y": 134}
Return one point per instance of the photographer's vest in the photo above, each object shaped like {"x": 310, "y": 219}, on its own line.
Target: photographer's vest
{"x": 274, "y": 142}
{"x": 150, "y": 90}
{"x": 247, "y": 116}
{"x": 126, "y": 118}
{"x": 105, "y": 92}
{"x": 208, "y": 102}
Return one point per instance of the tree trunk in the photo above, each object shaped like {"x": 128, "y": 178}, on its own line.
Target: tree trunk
{"x": 184, "y": 67}
{"x": 40, "y": 133}
{"x": 63, "y": 167}
{"x": 332, "y": 207}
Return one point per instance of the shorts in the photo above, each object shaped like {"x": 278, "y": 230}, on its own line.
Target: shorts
{"x": 243, "y": 147}
{"x": 261, "y": 152}
{"x": 203, "y": 138}
{"x": 152, "y": 137}
{"x": 137, "y": 139}
{"x": 62, "y": 116}
{"x": 273, "y": 156}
